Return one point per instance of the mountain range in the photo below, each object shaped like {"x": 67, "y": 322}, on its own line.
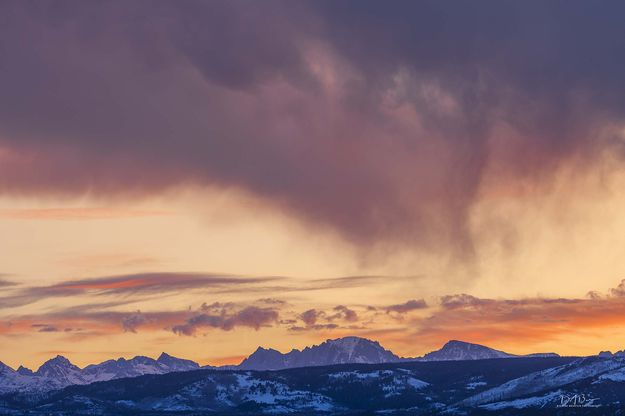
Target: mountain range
{"x": 342, "y": 375}
{"x": 361, "y": 350}
{"x": 502, "y": 386}
{"x": 60, "y": 372}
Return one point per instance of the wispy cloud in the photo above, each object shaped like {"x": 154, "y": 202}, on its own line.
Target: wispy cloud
{"x": 112, "y": 260}
{"x": 355, "y": 281}
{"x": 92, "y": 213}
{"x": 5, "y": 283}
{"x": 106, "y": 318}
{"x": 131, "y": 284}
{"x": 45, "y": 328}
{"x": 491, "y": 321}
{"x": 138, "y": 285}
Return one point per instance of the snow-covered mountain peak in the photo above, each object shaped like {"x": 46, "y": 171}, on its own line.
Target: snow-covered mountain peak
{"x": 460, "y": 350}
{"x": 58, "y": 362}
{"x": 348, "y": 339}
{"x": 349, "y": 342}
{"x": 266, "y": 359}
{"x": 264, "y": 350}
{"x": 172, "y": 363}
{"x": 457, "y": 343}
{"x": 332, "y": 351}
{"x": 61, "y": 370}
{"x": 142, "y": 359}
{"x": 351, "y": 347}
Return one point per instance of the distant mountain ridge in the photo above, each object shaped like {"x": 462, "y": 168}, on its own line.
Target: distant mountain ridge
{"x": 353, "y": 350}
{"x": 59, "y": 372}
{"x": 512, "y": 386}
{"x": 455, "y": 350}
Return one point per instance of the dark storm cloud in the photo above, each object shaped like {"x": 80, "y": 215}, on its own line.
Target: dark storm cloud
{"x": 375, "y": 119}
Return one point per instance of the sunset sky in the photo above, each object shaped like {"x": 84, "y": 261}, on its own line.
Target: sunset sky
{"x": 204, "y": 177}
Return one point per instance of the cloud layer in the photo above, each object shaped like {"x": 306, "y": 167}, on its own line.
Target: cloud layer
{"x": 378, "y": 121}
{"x": 522, "y": 321}
{"x": 518, "y": 322}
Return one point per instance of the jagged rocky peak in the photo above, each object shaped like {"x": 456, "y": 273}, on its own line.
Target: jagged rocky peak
{"x": 356, "y": 349}
{"x": 57, "y": 362}
{"x": 5, "y": 368}
{"x": 24, "y": 371}
{"x": 176, "y": 363}
{"x": 62, "y": 370}
{"x": 59, "y": 359}
{"x": 265, "y": 359}
{"x": 142, "y": 359}
{"x": 332, "y": 351}
{"x": 351, "y": 342}
{"x": 260, "y": 351}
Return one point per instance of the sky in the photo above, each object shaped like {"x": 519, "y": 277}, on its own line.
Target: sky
{"x": 202, "y": 178}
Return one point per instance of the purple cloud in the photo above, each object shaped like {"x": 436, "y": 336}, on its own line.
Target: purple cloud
{"x": 344, "y": 313}
{"x": 408, "y": 306}
{"x": 338, "y": 112}
{"x": 251, "y": 317}
{"x": 310, "y": 316}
